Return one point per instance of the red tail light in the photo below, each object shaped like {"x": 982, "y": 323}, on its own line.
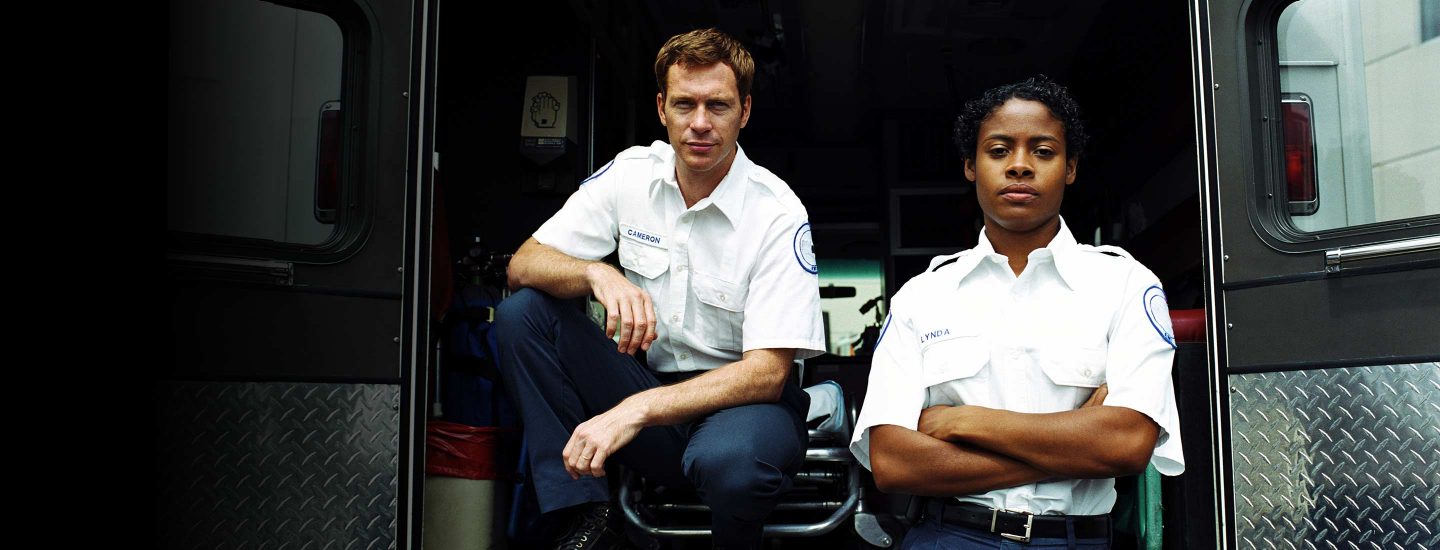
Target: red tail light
{"x": 1301, "y": 190}
{"x": 327, "y": 164}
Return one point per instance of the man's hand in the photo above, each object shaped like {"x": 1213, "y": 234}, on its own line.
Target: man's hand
{"x": 597, "y": 439}
{"x": 628, "y": 309}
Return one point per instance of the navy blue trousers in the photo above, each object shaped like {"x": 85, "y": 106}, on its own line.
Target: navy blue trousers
{"x": 933, "y": 534}
{"x": 561, "y": 370}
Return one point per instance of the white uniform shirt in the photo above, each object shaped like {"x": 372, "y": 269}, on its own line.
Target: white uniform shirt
{"x": 969, "y": 331}
{"x": 733, "y": 273}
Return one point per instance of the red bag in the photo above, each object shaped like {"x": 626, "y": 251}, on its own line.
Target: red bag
{"x": 458, "y": 450}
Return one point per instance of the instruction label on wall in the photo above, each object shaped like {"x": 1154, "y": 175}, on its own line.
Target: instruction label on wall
{"x": 548, "y": 112}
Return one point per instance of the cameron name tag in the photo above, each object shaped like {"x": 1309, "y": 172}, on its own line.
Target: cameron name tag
{"x": 642, "y": 236}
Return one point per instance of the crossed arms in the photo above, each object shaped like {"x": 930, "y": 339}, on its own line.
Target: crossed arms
{"x": 965, "y": 449}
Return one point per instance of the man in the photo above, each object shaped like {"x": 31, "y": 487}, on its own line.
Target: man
{"x": 719, "y": 290}
{"x": 1013, "y": 381}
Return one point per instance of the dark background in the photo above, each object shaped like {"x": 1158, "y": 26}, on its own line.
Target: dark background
{"x": 853, "y": 99}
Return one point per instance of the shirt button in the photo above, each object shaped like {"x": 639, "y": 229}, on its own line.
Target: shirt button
{"x": 675, "y": 318}
{"x": 721, "y": 296}
{"x": 682, "y": 268}
{"x": 684, "y": 356}
{"x": 1085, "y": 372}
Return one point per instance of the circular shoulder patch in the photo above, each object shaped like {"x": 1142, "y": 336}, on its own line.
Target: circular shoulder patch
{"x": 1158, "y": 310}
{"x": 804, "y": 246}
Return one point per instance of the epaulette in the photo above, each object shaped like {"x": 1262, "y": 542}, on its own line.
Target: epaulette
{"x": 941, "y": 261}
{"x": 1109, "y": 250}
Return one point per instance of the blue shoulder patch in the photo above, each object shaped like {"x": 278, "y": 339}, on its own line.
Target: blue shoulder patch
{"x": 1158, "y": 310}
{"x": 804, "y": 246}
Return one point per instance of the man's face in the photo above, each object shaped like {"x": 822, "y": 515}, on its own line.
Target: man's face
{"x": 703, "y": 113}
{"x": 1020, "y": 168}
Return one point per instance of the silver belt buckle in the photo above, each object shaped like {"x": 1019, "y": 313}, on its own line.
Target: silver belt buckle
{"x": 1029, "y": 522}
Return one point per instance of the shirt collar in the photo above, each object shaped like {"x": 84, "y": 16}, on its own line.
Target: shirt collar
{"x": 728, "y": 197}
{"x": 1060, "y": 251}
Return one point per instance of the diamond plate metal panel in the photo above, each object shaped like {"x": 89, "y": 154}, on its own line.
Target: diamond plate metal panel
{"x": 1337, "y": 458}
{"x": 277, "y": 465}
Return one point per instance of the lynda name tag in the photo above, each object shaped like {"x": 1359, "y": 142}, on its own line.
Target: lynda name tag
{"x": 642, "y": 236}
{"x": 929, "y": 336}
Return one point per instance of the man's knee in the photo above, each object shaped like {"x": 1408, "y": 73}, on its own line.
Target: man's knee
{"x": 520, "y": 305}
{"x": 736, "y": 482}
{"x": 522, "y": 314}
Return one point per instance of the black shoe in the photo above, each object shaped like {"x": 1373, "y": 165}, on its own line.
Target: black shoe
{"x": 596, "y": 527}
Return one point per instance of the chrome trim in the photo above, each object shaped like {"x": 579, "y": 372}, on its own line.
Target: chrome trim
{"x": 230, "y": 268}
{"x": 1203, "y": 86}
{"x": 1309, "y": 63}
{"x": 414, "y": 351}
{"x": 1310, "y": 207}
{"x": 1335, "y": 259}
{"x": 840, "y": 513}
{"x": 821, "y": 505}
{"x": 842, "y": 510}
{"x": 829, "y": 454}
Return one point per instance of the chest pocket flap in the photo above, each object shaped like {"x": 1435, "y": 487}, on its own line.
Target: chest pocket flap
{"x": 649, "y": 261}
{"x": 717, "y": 292}
{"x": 1074, "y": 365}
{"x": 954, "y": 356}
{"x": 721, "y": 313}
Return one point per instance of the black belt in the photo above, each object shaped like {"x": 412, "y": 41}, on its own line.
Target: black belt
{"x": 676, "y": 377}
{"x": 1017, "y": 526}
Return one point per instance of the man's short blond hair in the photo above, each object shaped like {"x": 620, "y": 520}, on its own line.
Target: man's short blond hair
{"x": 702, "y": 47}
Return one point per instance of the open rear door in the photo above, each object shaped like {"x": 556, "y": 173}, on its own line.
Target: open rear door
{"x": 298, "y": 186}
{"x": 1320, "y": 159}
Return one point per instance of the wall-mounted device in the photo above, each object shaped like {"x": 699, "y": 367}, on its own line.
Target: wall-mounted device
{"x": 548, "y": 118}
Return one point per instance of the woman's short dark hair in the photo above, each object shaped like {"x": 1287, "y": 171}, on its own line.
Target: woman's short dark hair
{"x": 1037, "y": 88}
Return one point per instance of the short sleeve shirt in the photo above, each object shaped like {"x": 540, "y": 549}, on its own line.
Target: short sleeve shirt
{"x": 969, "y": 331}
{"x": 733, "y": 273}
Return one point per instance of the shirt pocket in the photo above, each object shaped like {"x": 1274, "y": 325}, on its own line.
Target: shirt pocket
{"x": 960, "y": 358}
{"x": 645, "y": 260}
{"x": 720, "y": 311}
{"x": 1074, "y": 364}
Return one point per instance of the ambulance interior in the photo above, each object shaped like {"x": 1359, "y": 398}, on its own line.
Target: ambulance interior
{"x": 853, "y": 107}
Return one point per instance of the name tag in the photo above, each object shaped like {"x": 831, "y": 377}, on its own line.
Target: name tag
{"x": 930, "y": 336}
{"x": 642, "y": 236}
{"x": 934, "y": 335}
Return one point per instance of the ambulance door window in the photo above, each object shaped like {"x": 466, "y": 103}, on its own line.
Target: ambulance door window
{"x": 1359, "y": 128}
{"x": 254, "y": 122}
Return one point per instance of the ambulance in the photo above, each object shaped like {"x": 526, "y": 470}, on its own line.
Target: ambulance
{"x": 346, "y": 179}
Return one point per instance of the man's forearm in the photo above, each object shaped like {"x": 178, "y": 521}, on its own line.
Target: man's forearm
{"x": 758, "y": 377}
{"x": 542, "y": 267}
{"x": 1085, "y": 443}
{"x": 907, "y": 461}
